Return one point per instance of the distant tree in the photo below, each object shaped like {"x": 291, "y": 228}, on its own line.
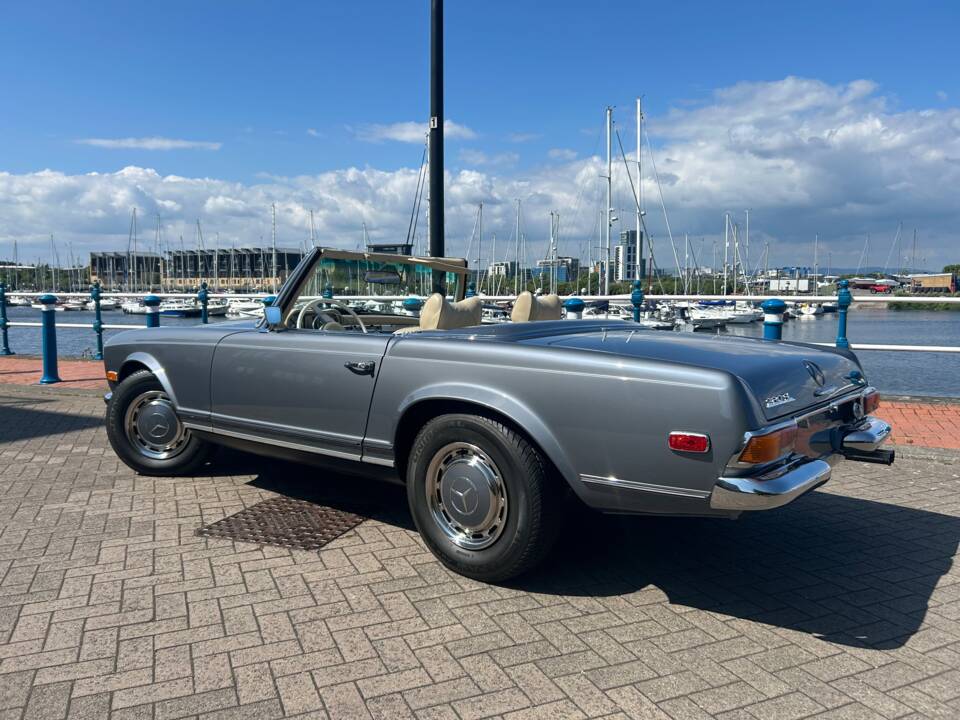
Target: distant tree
{"x": 955, "y": 268}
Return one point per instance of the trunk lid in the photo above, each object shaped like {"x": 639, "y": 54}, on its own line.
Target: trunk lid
{"x": 784, "y": 377}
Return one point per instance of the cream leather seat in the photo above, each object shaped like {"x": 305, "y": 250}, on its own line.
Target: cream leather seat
{"x": 439, "y": 314}
{"x": 529, "y": 307}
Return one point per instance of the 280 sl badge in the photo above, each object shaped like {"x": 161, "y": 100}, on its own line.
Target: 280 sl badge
{"x": 781, "y": 399}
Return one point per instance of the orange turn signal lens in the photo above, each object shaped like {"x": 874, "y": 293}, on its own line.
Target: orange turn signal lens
{"x": 769, "y": 447}
{"x": 112, "y": 375}
{"x": 871, "y": 401}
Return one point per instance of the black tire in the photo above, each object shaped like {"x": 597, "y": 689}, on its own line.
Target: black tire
{"x": 532, "y": 505}
{"x": 187, "y": 452}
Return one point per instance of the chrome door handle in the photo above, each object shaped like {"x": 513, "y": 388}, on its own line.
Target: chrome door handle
{"x": 364, "y": 367}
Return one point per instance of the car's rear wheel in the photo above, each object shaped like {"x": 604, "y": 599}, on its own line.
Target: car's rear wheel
{"x": 483, "y": 498}
{"x": 145, "y": 431}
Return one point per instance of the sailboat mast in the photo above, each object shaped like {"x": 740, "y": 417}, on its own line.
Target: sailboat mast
{"x": 639, "y": 252}
{"x": 816, "y": 269}
{"x": 726, "y": 248}
{"x": 199, "y": 255}
{"x": 479, "y": 243}
{"x": 746, "y": 267}
{"x": 609, "y": 209}
{"x": 516, "y": 272}
{"x": 274, "y": 209}
{"x": 736, "y": 256}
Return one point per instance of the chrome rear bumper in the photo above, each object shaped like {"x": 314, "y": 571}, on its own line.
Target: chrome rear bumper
{"x": 785, "y": 484}
{"x": 771, "y": 490}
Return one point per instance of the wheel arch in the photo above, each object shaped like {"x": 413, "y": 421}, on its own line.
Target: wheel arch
{"x": 424, "y": 406}
{"x": 145, "y": 361}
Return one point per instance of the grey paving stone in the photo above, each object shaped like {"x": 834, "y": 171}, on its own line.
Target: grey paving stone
{"x": 845, "y": 604}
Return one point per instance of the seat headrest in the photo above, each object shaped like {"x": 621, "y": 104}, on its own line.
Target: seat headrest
{"x": 438, "y": 314}
{"x": 529, "y": 307}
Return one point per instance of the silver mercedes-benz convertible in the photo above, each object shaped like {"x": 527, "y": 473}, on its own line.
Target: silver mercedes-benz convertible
{"x": 493, "y": 428}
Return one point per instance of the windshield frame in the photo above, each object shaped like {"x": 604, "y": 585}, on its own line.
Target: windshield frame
{"x": 303, "y": 273}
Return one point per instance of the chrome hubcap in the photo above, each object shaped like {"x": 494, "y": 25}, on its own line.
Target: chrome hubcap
{"x": 153, "y": 427}
{"x": 466, "y": 495}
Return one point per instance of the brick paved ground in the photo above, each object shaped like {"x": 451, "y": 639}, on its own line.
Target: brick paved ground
{"x": 923, "y": 424}
{"x": 844, "y": 605}
{"x": 26, "y": 370}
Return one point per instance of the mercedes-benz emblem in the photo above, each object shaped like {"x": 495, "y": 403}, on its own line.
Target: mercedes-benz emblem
{"x": 466, "y": 495}
{"x": 159, "y": 426}
{"x": 815, "y": 372}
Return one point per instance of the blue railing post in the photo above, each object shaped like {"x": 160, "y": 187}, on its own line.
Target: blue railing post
{"x": 413, "y": 305}
{"x": 97, "y": 319}
{"x": 153, "y": 310}
{"x": 204, "y": 297}
{"x": 48, "y": 336}
{"x": 773, "y": 310}
{"x": 574, "y": 307}
{"x": 471, "y": 290}
{"x": 844, "y": 299}
{"x": 328, "y": 291}
{"x": 5, "y": 350}
{"x": 636, "y": 299}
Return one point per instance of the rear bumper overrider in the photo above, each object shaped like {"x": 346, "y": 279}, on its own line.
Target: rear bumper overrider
{"x": 786, "y": 483}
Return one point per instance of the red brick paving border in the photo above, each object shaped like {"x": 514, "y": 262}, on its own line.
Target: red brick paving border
{"x": 934, "y": 425}
{"x": 26, "y": 370}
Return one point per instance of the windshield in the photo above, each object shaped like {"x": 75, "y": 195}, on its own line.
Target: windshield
{"x": 366, "y": 276}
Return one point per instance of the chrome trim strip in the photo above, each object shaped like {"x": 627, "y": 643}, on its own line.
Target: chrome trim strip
{"x": 644, "y": 487}
{"x": 386, "y": 462}
{"x": 308, "y": 433}
{"x": 771, "y": 490}
{"x": 273, "y": 441}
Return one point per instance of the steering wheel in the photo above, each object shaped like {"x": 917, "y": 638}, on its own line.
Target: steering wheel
{"x": 343, "y": 306}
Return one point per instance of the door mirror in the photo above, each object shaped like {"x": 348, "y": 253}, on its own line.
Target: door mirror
{"x": 273, "y": 316}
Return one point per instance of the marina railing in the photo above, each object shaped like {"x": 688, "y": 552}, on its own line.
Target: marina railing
{"x": 773, "y": 308}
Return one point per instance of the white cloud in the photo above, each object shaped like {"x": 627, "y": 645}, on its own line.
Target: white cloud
{"x": 150, "y": 143}
{"x": 410, "y": 132}
{"x": 561, "y": 154}
{"x": 807, "y": 157}
{"x": 942, "y": 95}
{"x": 313, "y": 132}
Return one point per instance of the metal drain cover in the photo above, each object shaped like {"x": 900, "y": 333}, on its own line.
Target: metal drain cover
{"x": 285, "y": 522}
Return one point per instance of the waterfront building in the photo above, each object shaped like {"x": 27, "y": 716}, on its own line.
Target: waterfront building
{"x": 257, "y": 269}
{"x": 625, "y": 258}
{"x": 125, "y": 271}
{"x": 568, "y": 268}
{"x": 933, "y": 283}
{"x": 502, "y": 269}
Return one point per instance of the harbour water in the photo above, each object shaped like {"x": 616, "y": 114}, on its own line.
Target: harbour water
{"x": 895, "y": 373}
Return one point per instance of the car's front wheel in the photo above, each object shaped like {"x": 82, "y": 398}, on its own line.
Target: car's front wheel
{"x": 145, "y": 431}
{"x": 483, "y": 498}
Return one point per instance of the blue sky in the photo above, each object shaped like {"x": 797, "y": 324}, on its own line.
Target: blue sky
{"x": 299, "y": 89}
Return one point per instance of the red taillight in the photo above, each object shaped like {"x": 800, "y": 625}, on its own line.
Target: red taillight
{"x": 689, "y": 442}
{"x": 767, "y": 448}
{"x": 871, "y": 401}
